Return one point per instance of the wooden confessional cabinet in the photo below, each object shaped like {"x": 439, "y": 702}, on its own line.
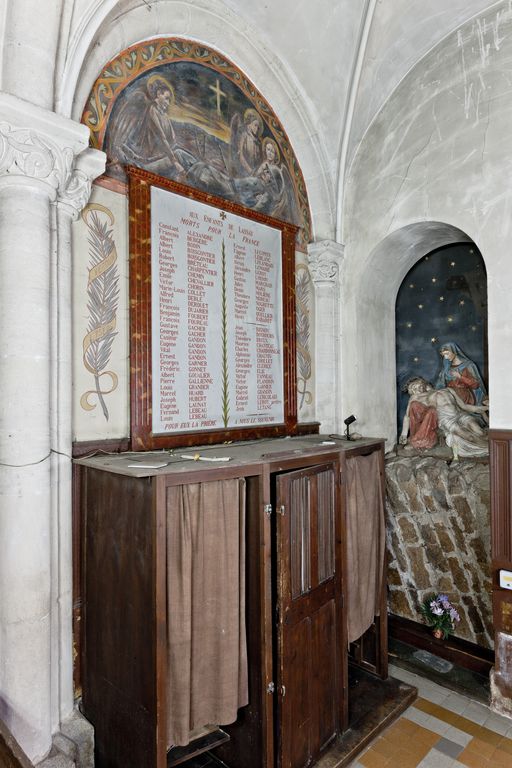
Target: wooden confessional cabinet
{"x": 295, "y": 593}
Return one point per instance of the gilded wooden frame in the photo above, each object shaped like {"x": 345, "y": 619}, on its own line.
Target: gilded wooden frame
{"x": 142, "y": 437}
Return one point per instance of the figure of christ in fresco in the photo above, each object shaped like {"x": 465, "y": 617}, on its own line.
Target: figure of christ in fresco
{"x": 443, "y": 409}
{"x": 143, "y": 133}
{"x": 461, "y": 374}
{"x": 154, "y": 142}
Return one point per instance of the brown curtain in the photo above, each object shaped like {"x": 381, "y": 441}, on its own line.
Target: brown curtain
{"x": 365, "y": 543}
{"x": 207, "y": 653}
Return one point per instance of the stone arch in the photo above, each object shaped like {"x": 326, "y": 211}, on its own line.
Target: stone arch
{"x": 368, "y": 322}
{"x": 116, "y": 26}
{"x": 201, "y": 81}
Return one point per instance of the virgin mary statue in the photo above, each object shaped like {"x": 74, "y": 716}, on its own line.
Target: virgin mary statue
{"x": 461, "y": 374}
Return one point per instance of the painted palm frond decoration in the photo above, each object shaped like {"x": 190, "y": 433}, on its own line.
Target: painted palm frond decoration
{"x": 102, "y": 304}
{"x": 304, "y": 368}
{"x": 225, "y": 369}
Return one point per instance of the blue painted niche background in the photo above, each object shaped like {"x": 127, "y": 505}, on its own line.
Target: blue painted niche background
{"x": 442, "y": 298}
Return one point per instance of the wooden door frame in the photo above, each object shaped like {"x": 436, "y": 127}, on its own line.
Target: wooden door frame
{"x": 284, "y": 591}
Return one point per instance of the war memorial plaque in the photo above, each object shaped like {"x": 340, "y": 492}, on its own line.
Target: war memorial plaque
{"x": 213, "y": 330}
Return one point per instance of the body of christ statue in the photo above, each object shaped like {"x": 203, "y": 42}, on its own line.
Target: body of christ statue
{"x": 457, "y": 420}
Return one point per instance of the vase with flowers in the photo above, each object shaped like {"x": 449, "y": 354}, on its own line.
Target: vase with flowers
{"x": 440, "y": 614}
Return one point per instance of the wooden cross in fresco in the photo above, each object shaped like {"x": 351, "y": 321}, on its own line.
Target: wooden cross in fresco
{"x": 218, "y": 92}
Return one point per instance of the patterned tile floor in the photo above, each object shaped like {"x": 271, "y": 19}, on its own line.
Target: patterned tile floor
{"x": 441, "y": 730}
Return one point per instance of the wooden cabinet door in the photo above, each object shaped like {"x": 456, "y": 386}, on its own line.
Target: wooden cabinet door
{"x": 309, "y": 607}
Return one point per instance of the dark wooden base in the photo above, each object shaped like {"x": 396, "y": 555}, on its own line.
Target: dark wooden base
{"x": 91, "y": 447}
{"x": 205, "y": 760}
{"x": 178, "y": 755}
{"x": 460, "y": 652}
{"x": 374, "y": 705}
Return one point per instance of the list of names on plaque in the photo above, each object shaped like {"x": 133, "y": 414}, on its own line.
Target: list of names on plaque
{"x": 217, "y": 357}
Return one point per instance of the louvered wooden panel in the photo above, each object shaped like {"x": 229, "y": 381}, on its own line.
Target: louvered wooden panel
{"x": 312, "y": 559}
{"x": 325, "y": 516}
{"x": 300, "y": 539}
{"x": 500, "y": 442}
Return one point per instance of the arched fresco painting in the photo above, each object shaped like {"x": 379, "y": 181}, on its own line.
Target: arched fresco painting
{"x": 181, "y": 110}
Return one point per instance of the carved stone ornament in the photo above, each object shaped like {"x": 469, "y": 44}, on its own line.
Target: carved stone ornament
{"x": 77, "y": 192}
{"x": 23, "y": 152}
{"x": 324, "y": 260}
{"x": 39, "y": 148}
{"x": 88, "y": 166}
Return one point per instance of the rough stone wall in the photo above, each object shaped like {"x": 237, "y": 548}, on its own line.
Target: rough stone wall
{"x": 438, "y": 536}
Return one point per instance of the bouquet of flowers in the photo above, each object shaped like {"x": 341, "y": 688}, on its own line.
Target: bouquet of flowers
{"x": 440, "y": 614}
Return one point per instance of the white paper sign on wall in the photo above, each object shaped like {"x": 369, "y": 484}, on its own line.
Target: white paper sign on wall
{"x": 506, "y": 579}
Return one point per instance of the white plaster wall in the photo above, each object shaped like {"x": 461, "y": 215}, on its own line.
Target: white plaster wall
{"x": 90, "y": 422}
{"x": 28, "y": 49}
{"x": 402, "y": 32}
{"x": 439, "y": 151}
{"x": 316, "y": 41}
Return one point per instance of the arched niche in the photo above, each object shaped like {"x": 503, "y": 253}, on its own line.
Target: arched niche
{"x": 442, "y": 299}
{"x": 181, "y": 110}
{"x": 369, "y": 292}
{"x": 116, "y": 25}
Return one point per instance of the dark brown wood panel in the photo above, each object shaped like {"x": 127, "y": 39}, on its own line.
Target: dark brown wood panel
{"x": 324, "y": 673}
{"x": 500, "y": 442}
{"x": 295, "y": 696}
{"x": 500, "y": 459}
{"x": 460, "y": 652}
{"x": 91, "y": 447}
{"x": 310, "y": 680}
{"x": 121, "y": 636}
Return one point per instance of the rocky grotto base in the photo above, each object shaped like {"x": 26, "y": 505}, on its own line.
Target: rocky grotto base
{"x": 439, "y": 539}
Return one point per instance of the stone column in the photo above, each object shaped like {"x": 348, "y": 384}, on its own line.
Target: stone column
{"x": 37, "y": 152}
{"x": 324, "y": 260}
{"x": 70, "y": 202}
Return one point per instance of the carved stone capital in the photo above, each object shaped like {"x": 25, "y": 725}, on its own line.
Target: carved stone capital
{"x": 324, "y": 260}
{"x": 37, "y": 147}
{"x": 88, "y": 166}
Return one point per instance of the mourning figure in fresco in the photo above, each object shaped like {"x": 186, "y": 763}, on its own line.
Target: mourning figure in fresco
{"x": 245, "y": 142}
{"x": 278, "y": 184}
{"x": 267, "y": 189}
{"x": 430, "y": 409}
{"x": 461, "y": 374}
